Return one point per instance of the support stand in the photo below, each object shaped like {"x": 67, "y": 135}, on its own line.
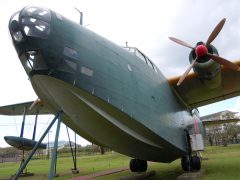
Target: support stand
{"x": 24, "y": 172}
{"x": 74, "y": 156}
{"x": 53, "y": 166}
{"x": 35, "y": 125}
{"x": 23, "y": 166}
{"x": 23, "y": 121}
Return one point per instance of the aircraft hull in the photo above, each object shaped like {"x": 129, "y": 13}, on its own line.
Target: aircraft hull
{"x": 101, "y": 123}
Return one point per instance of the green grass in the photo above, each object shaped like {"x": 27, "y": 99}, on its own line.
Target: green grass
{"x": 222, "y": 163}
{"x": 86, "y": 165}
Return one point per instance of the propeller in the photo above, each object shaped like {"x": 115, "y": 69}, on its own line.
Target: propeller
{"x": 202, "y": 51}
{"x": 34, "y": 104}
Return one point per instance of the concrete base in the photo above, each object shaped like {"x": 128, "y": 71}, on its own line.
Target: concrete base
{"x": 25, "y": 174}
{"x": 204, "y": 158}
{"x": 56, "y": 175}
{"x": 191, "y": 175}
{"x": 102, "y": 173}
{"x": 75, "y": 171}
{"x": 139, "y": 176}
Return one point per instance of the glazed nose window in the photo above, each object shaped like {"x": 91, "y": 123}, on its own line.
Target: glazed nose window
{"x": 36, "y": 12}
{"x": 15, "y": 28}
{"x": 35, "y": 27}
{"x": 35, "y": 22}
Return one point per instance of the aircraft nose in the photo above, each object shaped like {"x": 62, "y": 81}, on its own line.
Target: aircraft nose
{"x": 31, "y": 24}
{"x": 14, "y": 28}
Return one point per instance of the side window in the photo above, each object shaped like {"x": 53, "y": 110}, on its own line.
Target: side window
{"x": 70, "y": 52}
{"x": 68, "y": 66}
{"x": 86, "y": 71}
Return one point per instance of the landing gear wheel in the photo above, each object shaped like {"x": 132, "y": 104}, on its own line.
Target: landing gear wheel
{"x": 191, "y": 163}
{"x": 186, "y": 163}
{"x": 143, "y": 166}
{"x": 137, "y": 165}
{"x": 133, "y": 165}
{"x": 195, "y": 163}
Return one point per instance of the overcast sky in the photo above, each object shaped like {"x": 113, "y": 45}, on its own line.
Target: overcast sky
{"x": 146, "y": 24}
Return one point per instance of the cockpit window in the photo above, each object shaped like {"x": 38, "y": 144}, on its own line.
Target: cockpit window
{"x": 35, "y": 27}
{"x": 142, "y": 57}
{"x": 39, "y": 13}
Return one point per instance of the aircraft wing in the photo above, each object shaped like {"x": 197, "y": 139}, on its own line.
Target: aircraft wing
{"x": 208, "y": 122}
{"x": 222, "y": 117}
{"x": 193, "y": 93}
{"x": 17, "y": 109}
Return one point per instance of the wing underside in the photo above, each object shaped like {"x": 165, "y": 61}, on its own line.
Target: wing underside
{"x": 222, "y": 117}
{"x": 194, "y": 92}
{"x": 18, "y": 109}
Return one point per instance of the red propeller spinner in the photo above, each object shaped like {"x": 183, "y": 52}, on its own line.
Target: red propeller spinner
{"x": 202, "y": 51}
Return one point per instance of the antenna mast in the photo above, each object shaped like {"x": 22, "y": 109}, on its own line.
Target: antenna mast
{"x": 81, "y": 16}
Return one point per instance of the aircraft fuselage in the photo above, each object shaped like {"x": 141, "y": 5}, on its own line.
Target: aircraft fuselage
{"x": 109, "y": 95}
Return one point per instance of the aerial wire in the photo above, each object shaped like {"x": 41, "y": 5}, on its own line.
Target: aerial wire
{"x": 50, "y": 118}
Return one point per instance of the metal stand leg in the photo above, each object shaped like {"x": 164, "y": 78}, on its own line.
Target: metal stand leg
{"x": 23, "y": 121}
{"x": 36, "y": 146}
{"x": 22, "y": 161}
{"x": 54, "y": 153}
{"x": 74, "y": 155}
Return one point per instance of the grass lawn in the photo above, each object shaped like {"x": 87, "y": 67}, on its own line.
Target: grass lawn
{"x": 222, "y": 163}
{"x": 86, "y": 165}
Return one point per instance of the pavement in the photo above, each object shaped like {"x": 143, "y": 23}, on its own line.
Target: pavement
{"x": 102, "y": 173}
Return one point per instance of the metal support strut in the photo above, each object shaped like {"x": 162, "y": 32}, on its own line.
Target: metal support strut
{"x": 35, "y": 125}
{"x": 23, "y": 166}
{"x": 52, "y": 172}
{"x": 23, "y": 121}
{"x": 74, "y": 154}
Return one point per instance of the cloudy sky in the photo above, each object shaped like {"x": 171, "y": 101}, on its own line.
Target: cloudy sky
{"x": 146, "y": 24}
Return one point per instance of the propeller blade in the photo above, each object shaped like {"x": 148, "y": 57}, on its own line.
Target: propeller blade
{"x": 224, "y": 62}
{"x": 34, "y": 104}
{"x": 178, "y": 41}
{"x": 187, "y": 71}
{"x": 215, "y": 32}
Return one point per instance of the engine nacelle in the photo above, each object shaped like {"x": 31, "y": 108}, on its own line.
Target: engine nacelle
{"x": 206, "y": 68}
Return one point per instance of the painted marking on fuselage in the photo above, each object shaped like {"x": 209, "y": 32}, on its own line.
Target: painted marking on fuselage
{"x": 196, "y": 127}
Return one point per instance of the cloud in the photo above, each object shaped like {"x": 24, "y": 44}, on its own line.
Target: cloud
{"x": 194, "y": 22}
